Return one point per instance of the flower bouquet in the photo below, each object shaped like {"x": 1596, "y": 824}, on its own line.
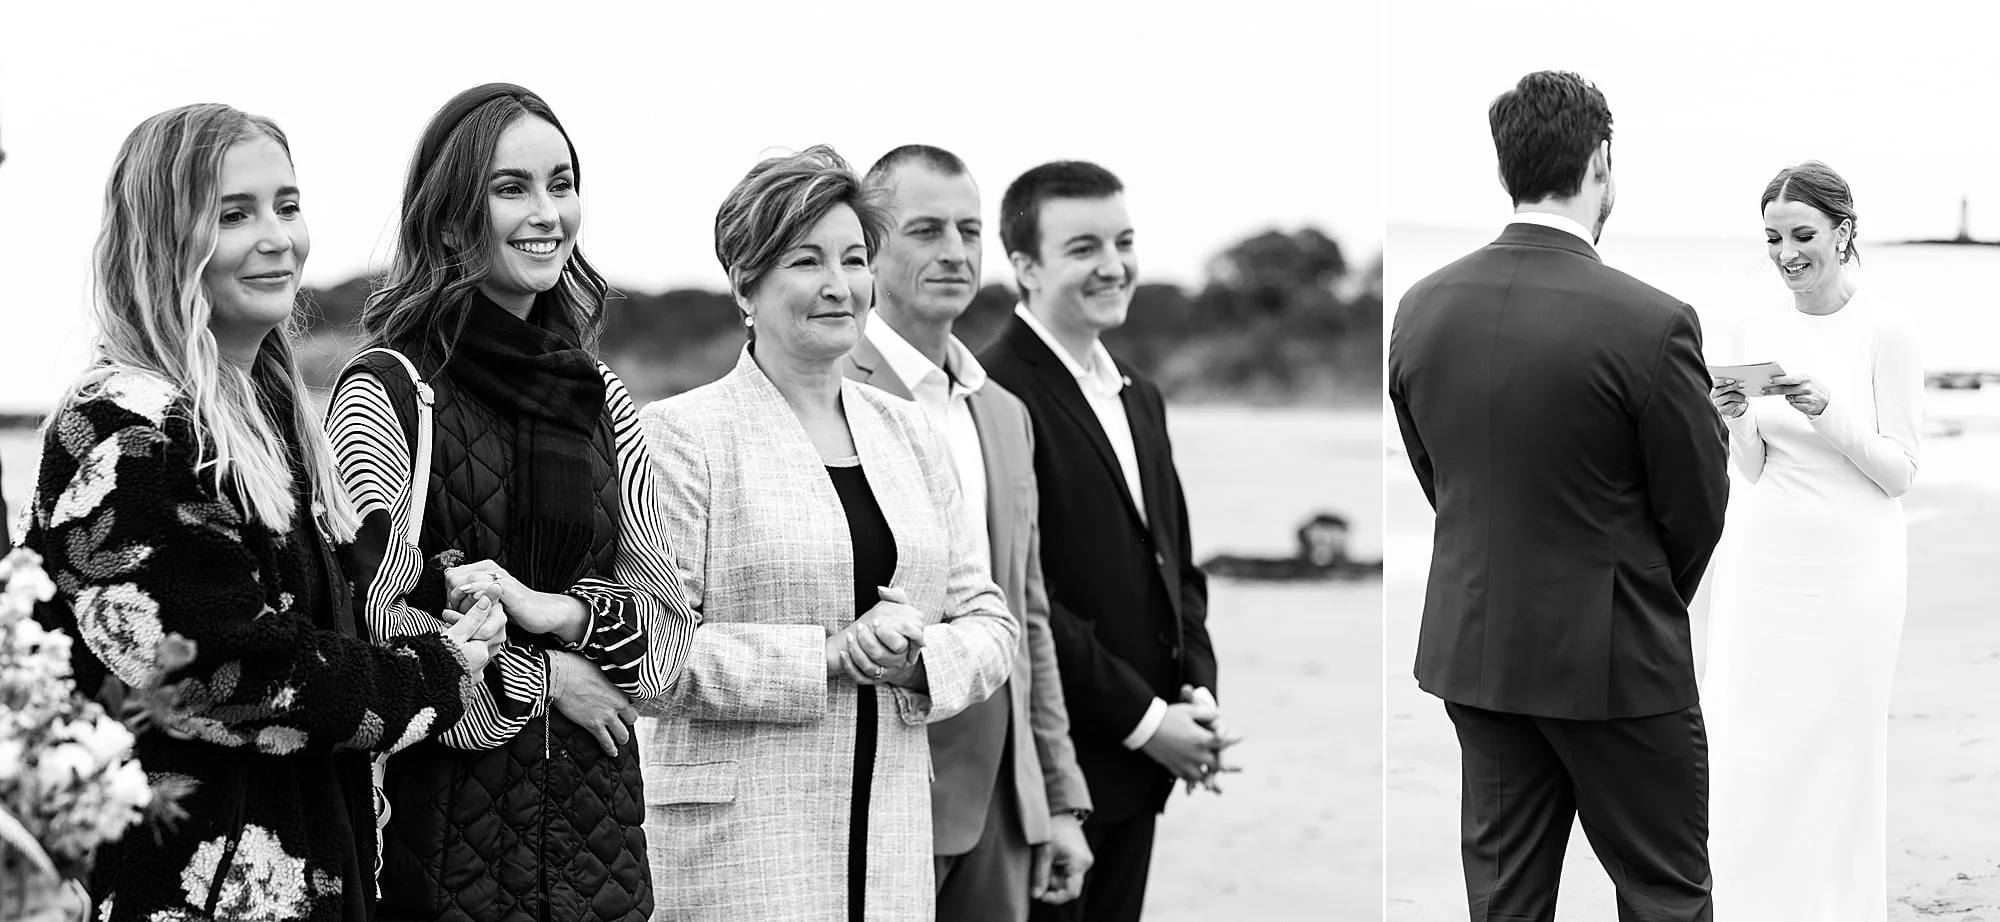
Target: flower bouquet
{"x": 68, "y": 779}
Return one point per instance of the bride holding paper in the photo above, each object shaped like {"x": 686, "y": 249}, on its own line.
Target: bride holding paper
{"x": 1807, "y": 609}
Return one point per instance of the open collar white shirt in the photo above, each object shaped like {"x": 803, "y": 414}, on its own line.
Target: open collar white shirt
{"x": 1097, "y": 376}
{"x": 945, "y": 396}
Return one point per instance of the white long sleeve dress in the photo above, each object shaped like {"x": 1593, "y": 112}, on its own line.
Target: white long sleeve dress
{"x": 1807, "y": 614}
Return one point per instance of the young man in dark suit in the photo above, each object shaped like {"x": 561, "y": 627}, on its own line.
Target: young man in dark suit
{"x": 1557, "y": 414}
{"x": 1127, "y": 604}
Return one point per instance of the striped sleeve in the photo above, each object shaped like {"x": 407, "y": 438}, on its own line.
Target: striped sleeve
{"x": 374, "y": 463}
{"x": 640, "y": 622}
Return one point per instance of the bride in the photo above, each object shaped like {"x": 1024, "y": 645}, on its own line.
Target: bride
{"x": 1808, "y": 609}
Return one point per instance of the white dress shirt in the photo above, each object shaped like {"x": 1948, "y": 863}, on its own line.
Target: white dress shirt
{"x": 1556, "y": 221}
{"x": 945, "y": 394}
{"x": 1097, "y": 376}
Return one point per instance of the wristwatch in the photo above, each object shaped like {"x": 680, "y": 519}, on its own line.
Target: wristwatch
{"x": 1079, "y": 813}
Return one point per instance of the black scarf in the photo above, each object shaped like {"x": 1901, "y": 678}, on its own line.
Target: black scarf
{"x": 535, "y": 370}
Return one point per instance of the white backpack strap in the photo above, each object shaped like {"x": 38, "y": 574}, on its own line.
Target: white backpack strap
{"x": 420, "y": 472}
{"x": 420, "y": 465}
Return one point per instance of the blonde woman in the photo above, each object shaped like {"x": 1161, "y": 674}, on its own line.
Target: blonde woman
{"x": 185, "y": 489}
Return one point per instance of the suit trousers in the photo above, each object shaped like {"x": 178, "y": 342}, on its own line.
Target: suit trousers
{"x": 1640, "y": 786}
{"x": 989, "y": 883}
{"x": 1115, "y": 888}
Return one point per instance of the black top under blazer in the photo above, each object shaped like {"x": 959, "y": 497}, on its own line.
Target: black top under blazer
{"x": 1556, "y": 412}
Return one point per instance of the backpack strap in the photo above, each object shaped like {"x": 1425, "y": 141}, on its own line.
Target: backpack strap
{"x": 420, "y": 469}
{"x": 420, "y": 465}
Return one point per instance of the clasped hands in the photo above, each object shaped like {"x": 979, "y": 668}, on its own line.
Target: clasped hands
{"x": 1191, "y": 739}
{"x": 578, "y": 689}
{"x": 1803, "y": 392}
{"x": 557, "y": 614}
{"x": 476, "y": 623}
{"x": 882, "y": 647}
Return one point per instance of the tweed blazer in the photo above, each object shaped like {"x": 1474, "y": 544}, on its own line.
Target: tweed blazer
{"x": 749, "y": 757}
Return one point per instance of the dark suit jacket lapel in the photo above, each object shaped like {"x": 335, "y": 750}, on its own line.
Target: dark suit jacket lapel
{"x": 1052, "y": 375}
{"x": 1149, "y": 438}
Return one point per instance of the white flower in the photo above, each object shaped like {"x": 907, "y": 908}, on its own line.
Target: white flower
{"x": 122, "y": 625}
{"x": 108, "y": 740}
{"x": 13, "y": 756}
{"x": 129, "y": 786}
{"x": 25, "y": 584}
{"x": 62, "y": 766}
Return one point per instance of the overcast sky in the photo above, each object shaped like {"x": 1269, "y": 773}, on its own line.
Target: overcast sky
{"x": 1709, "y": 99}
{"x": 1222, "y": 119}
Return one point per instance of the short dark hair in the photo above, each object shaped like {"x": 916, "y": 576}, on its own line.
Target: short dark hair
{"x": 777, "y": 204}
{"x": 1816, "y": 184}
{"x": 1021, "y": 207}
{"x": 1545, "y": 130}
{"x": 936, "y": 158}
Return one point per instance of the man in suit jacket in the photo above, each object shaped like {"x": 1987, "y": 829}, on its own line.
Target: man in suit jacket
{"x": 1008, "y": 800}
{"x": 1128, "y": 605}
{"x": 1557, "y": 414}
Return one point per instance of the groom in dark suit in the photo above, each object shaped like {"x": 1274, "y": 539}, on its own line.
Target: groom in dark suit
{"x": 1128, "y": 605}
{"x": 1556, "y": 412}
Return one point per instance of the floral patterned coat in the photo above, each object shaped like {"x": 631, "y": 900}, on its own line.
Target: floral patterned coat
{"x": 282, "y": 702}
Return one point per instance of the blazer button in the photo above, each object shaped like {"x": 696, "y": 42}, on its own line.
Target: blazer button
{"x": 1176, "y": 651}
{"x": 1165, "y": 641}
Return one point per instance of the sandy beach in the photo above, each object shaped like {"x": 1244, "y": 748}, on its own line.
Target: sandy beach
{"x": 1944, "y": 725}
{"x": 1297, "y": 835}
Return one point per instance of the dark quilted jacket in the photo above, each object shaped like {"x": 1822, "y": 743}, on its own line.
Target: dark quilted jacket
{"x": 545, "y": 828}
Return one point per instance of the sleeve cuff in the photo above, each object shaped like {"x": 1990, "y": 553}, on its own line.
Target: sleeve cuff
{"x": 914, "y": 707}
{"x": 1148, "y": 725}
{"x": 590, "y": 604}
{"x": 524, "y": 675}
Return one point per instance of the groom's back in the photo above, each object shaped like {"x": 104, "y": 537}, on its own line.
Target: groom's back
{"x": 1550, "y": 406}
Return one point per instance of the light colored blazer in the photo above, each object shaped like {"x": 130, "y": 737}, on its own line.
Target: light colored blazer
{"x": 1043, "y": 760}
{"x": 749, "y": 758}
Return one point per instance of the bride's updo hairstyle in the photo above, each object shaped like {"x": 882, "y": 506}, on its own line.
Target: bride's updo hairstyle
{"x": 1816, "y": 184}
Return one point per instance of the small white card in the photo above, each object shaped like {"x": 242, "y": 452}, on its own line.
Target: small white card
{"x": 1754, "y": 378}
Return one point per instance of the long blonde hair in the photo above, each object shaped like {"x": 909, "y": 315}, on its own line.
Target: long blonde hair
{"x": 161, "y": 207}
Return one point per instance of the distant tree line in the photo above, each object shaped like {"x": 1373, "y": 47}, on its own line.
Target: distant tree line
{"x": 1282, "y": 319}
